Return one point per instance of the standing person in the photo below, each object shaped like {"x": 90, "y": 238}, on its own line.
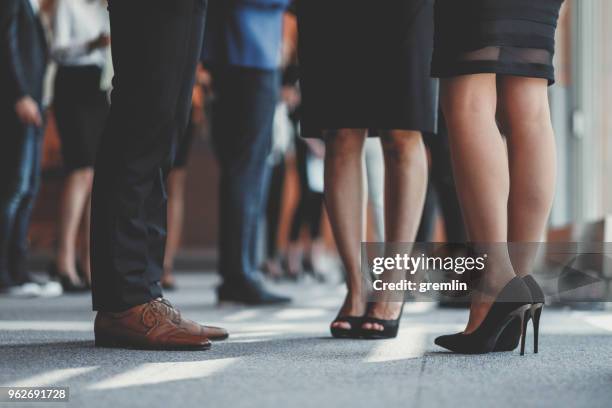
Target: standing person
{"x": 365, "y": 65}
{"x": 177, "y": 179}
{"x": 242, "y": 49}
{"x": 495, "y": 58}
{"x": 23, "y": 62}
{"x": 79, "y": 46}
{"x": 154, "y": 75}
{"x": 308, "y": 212}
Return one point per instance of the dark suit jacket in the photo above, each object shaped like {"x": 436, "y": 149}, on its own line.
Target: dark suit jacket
{"x": 23, "y": 52}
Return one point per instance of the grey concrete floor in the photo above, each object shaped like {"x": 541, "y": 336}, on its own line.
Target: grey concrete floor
{"x": 285, "y": 357}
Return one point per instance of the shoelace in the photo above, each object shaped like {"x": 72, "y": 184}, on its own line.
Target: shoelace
{"x": 167, "y": 310}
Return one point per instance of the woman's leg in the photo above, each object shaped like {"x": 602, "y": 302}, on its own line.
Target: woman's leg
{"x": 77, "y": 191}
{"x": 525, "y": 115}
{"x": 344, "y": 200}
{"x": 176, "y": 214}
{"x": 482, "y": 177}
{"x": 405, "y": 188}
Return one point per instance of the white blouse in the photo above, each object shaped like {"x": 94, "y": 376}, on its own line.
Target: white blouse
{"x": 35, "y": 6}
{"x": 75, "y": 24}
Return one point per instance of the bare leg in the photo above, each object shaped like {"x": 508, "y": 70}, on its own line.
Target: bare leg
{"x": 525, "y": 113}
{"x": 345, "y": 201}
{"x": 176, "y": 214}
{"x": 405, "y": 188}
{"x": 77, "y": 191}
{"x": 480, "y": 165}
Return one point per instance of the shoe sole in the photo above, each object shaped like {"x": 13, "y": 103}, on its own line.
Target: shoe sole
{"x": 117, "y": 344}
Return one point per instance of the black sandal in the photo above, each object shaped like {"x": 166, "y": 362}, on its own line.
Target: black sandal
{"x": 353, "y": 333}
{"x": 390, "y": 327}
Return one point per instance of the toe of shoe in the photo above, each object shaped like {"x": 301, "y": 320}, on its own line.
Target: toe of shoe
{"x": 215, "y": 333}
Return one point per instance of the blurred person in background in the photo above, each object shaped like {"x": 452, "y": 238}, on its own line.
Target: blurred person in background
{"x": 243, "y": 52}
{"x": 79, "y": 46}
{"x": 308, "y": 214}
{"x": 23, "y": 63}
{"x": 178, "y": 177}
{"x": 441, "y": 192}
{"x": 365, "y": 65}
{"x": 282, "y": 142}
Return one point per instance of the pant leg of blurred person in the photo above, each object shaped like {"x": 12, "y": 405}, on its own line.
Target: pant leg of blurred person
{"x": 242, "y": 47}
{"x": 155, "y": 50}
{"x": 20, "y": 179}
{"x": 23, "y": 61}
{"x": 375, "y": 177}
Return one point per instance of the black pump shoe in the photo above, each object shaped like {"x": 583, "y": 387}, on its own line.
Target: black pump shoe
{"x": 353, "y": 333}
{"x": 512, "y": 304}
{"x": 389, "y": 331}
{"x": 65, "y": 281}
{"x": 510, "y": 338}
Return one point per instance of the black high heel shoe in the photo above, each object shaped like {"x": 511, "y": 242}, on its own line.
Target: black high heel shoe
{"x": 82, "y": 275}
{"x": 509, "y": 339}
{"x": 65, "y": 281}
{"x": 353, "y": 333}
{"x": 512, "y": 304}
{"x": 390, "y": 327}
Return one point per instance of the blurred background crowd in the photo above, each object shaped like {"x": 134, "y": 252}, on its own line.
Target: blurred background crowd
{"x": 293, "y": 240}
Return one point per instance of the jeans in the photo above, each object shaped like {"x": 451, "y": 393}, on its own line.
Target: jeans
{"x": 242, "y": 120}
{"x": 20, "y": 155}
{"x": 156, "y": 45}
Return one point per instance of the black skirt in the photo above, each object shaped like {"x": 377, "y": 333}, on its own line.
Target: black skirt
{"x": 365, "y": 64}
{"x": 508, "y": 37}
{"x": 80, "y": 109}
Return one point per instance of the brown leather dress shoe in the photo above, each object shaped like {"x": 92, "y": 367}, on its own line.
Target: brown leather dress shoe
{"x": 156, "y": 325}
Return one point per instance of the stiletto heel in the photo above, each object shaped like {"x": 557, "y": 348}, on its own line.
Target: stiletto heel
{"x": 526, "y": 314}
{"x": 510, "y": 338}
{"x": 536, "y": 313}
{"x": 512, "y": 304}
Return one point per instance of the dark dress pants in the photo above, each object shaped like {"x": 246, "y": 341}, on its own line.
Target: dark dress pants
{"x": 156, "y": 45}
{"x": 243, "y": 115}
{"x": 20, "y": 155}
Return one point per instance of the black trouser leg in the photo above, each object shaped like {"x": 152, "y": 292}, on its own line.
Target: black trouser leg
{"x": 156, "y": 45}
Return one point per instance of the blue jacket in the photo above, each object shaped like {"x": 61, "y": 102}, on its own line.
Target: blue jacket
{"x": 244, "y": 33}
